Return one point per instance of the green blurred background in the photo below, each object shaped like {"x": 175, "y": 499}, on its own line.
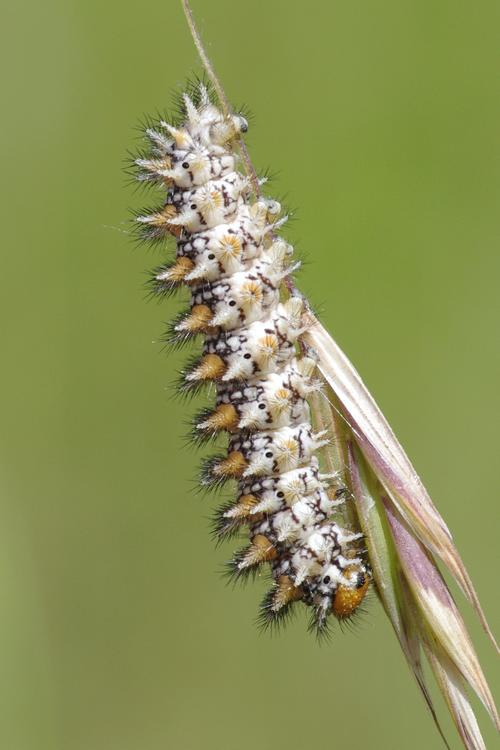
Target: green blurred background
{"x": 381, "y": 120}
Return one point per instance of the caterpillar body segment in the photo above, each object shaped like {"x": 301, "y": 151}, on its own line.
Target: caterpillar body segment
{"x": 233, "y": 265}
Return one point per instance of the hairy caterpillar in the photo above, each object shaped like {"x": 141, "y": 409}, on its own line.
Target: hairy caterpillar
{"x": 235, "y": 266}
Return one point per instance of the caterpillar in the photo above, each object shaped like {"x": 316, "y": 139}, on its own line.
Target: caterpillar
{"x": 237, "y": 270}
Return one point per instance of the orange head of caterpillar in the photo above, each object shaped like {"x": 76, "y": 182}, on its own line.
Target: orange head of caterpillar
{"x": 349, "y": 595}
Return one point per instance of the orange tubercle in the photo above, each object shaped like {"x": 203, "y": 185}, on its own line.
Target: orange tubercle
{"x": 225, "y": 417}
{"x": 243, "y": 507}
{"x": 177, "y": 271}
{"x": 261, "y": 550}
{"x": 211, "y": 367}
{"x": 348, "y": 599}
{"x": 198, "y": 319}
{"x": 231, "y": 467}
{"x": 285, "y": 593}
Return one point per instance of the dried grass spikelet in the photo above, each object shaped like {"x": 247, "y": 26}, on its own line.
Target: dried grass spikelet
{"x": 405, "y": 534}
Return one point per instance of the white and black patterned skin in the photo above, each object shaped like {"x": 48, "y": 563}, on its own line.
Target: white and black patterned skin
{"x": 229, "y": 257}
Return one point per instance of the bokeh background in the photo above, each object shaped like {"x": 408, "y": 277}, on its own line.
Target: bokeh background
{"x": 380, "y": 121}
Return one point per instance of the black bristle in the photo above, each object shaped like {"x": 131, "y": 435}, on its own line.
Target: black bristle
{"x": 208, "y": 480}
{"x": 174, "y": 339}
{"x": 137, "y": 177}
{"x": 187, "y": 390}
{"x": 148, "y": 234}
{"x": 190, "y": 388}
{"x": 203, "y": 436}
{"x": 159, "y": 287}
{"x": 268, "y": 174}
{"x": 234, "y": 574}
{"x": 223, "y": 528}
{"x": 245, "y": 111}
{"x": 320, "y": 623}
{"x": 192, "y": 89}
{"x": 358, "y": 617}
{"x": 273, "y": 620}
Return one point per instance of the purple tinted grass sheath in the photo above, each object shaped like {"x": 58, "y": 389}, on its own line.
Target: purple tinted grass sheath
{"x": 403, "y": 532}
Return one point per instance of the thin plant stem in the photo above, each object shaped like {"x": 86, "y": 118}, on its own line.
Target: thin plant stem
{"x": 219, "y": 90}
